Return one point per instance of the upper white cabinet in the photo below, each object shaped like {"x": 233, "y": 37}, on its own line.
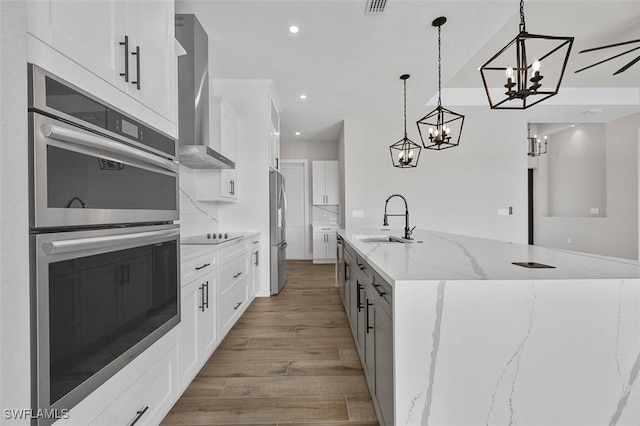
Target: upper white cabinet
{"x": 129, "y": 44}
{"x": 274, "y": 137}
{"x": 326, "y": 183}
{"x": 220, "y": 185}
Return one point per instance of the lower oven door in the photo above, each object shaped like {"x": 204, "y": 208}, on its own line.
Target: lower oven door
{"x": 101, "y": 298}
{"x": 83, "y": 178}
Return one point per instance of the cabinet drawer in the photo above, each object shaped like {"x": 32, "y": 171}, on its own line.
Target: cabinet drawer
{"x": 228, "y": 253}
{"x": 233, "y": 272}
{"x": 198, "y": 267}
{"x": 383, "y": 293}
{"x": 231, "y": 303}
{"x": 148, "y": 399}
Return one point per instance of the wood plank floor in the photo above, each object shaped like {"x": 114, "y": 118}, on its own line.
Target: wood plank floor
{"x": 289, "y": 360}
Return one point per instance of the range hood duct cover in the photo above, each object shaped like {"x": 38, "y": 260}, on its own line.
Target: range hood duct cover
{"x": 193, "y": 98}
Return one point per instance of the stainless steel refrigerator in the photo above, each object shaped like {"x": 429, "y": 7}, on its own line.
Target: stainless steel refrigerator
{"x": 278, "y": 221}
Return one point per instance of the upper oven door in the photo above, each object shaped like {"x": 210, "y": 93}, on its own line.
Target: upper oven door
{"x": 83, "y": 178}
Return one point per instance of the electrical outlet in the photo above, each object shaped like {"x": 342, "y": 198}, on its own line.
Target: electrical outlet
{"x": 503, "y": 212}
{"x": 569, "y": 241}
{"x": 595, "y": 210}
{"x": 357, "y": 213}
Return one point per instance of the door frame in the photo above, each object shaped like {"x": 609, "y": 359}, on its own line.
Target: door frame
{"x": 306, "y": 209}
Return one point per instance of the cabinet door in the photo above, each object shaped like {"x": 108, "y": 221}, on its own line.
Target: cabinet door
{"x": 207, "y": 320}
{"x": 255, "y": 259}
{"x": 318, "y": 179}
{"x": 370, "y": 339}
{"x": 332, "y": 183}
{"x": 274, "y": 148}
{"x": 383, "y": 343}
{"x": 332, "y": 246}
{"x": 188, "y": 331}
{"x": 360, "y": 319}
{"x": 153, "y": 48}
{"x": 228, "y": 185}
{"x": 228, "y": 132}
{"x": 88, "y": 32}
{"x": 319, "y": 246}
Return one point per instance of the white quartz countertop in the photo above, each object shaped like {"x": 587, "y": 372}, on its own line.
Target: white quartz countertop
{"x": 192, "y": 251}
{"x": 442, "y": 256}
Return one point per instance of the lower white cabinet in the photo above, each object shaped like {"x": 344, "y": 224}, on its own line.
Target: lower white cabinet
{"x": 197, "y": 338}
{"x": 324, "y": 244}
{"x": 255, "y": 265}
{"x": 148, "y": 399}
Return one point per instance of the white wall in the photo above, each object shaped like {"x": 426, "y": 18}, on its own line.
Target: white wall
{"x": 617, "y": 233}
{"x": 14, "y": 227}
{"x": 458, "y": 190}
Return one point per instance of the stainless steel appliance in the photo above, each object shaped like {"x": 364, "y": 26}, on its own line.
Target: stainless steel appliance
{"x": 278, "y": 222}
{"x": 104, "y": 249}
{"x": 193, "y": 97}
{"x": 91, "y": 165}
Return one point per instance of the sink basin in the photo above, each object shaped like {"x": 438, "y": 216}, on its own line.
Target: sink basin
{"x": 381, "y": 239}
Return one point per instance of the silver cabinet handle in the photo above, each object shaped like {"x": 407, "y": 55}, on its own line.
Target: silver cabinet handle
{"x": 125, "y": 74}
{"x": 65, "y": 134}
{"x": 237, "y": 275}
{"x": 137, "y": 55}
{"x": 81, "y": 244}
{"x": 201, "y": 288}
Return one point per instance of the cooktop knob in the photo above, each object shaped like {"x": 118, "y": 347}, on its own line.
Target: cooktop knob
{"x": 220, "y": 236}
{"x": 208, "y": 236}
{"x": 226, "y": 235}
{"x": 215, "y": 236}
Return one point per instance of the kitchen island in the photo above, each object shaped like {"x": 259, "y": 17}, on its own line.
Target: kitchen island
{"x": 451, "y": 332}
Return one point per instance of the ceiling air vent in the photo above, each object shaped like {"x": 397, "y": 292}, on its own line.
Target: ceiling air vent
{"x": 375, "y": 7}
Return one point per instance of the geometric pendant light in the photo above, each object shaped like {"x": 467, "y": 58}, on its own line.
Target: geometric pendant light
{"x": 436, "y": 127}
{"x": 405, "y": 153}
{"x": 513, "y": 77}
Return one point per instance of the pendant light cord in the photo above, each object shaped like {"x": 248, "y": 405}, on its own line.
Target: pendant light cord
{"x": 439, "y": 69}
{"x": 522, "y": 26}
{"x": 405, "y": 108}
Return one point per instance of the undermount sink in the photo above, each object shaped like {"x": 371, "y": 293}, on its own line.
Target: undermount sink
{"x": 381, "y": 239}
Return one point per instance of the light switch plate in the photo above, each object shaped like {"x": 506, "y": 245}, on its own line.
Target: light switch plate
{"x": 595, "y": 210}
{"x": 503, "y": 212}
{"x": 357, "y": 213}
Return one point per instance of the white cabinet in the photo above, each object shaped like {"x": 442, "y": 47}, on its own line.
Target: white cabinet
{"x": 197, "y": 333}
{"x": 324, "y": 244}
{"x": 220, "y": 185}
{"x": 129, "y": 44}
{"x": 326, "y": 183}
{"x": 274, "y": 137}
{"x": 147, "y": 401}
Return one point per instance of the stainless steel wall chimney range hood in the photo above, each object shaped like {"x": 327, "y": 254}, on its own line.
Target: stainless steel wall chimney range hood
{"x": 193, "y": 98}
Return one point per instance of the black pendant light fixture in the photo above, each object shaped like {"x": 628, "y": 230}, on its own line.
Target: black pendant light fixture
{"x": 405, "y": 153}
{"x": 534, "y": 144}
{"x": 435, "y": 128}
{"x": 520, "y": 67}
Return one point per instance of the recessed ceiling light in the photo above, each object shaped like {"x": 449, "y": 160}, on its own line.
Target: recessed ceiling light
{"x": 573, "y": 125}
{"x": 303, "y": 96}
{"x": 297, "y": 133}
{"x": 294, "y": 29}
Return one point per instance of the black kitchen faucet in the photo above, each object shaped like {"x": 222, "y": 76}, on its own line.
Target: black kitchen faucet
{"x": 407, "y": 231}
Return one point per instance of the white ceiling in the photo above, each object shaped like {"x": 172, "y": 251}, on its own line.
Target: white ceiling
{"x": 346, "y": 61}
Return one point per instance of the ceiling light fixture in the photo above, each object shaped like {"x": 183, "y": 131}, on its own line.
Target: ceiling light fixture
{"x": 297, "y": 133}
{"x": 535, "y": 146}
{"x": 437, "y": 124}
{"x": 303, "y": 97}
{"x": 405, "y": 153}
{"x": 518, "y": 68}
{"x": 294, "y": 29}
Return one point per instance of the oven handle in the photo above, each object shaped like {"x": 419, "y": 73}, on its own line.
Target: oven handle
{"x": 81, "y": 244}
{"x": 73, "y": 136}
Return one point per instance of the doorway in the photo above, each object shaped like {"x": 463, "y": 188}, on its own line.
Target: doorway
{"x": 295, "y": 173}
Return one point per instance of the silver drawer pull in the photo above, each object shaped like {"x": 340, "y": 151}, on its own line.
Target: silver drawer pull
{"x": 139, "y": 414}
{"x": 237, "y": 275}
{"x": 203, "y": 266}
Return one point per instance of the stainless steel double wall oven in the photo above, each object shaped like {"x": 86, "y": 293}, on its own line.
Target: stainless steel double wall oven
{"x": 104, "y": 245}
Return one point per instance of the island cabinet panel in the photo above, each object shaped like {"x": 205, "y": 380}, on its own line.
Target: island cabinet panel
{"x": 369, "y": 311}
